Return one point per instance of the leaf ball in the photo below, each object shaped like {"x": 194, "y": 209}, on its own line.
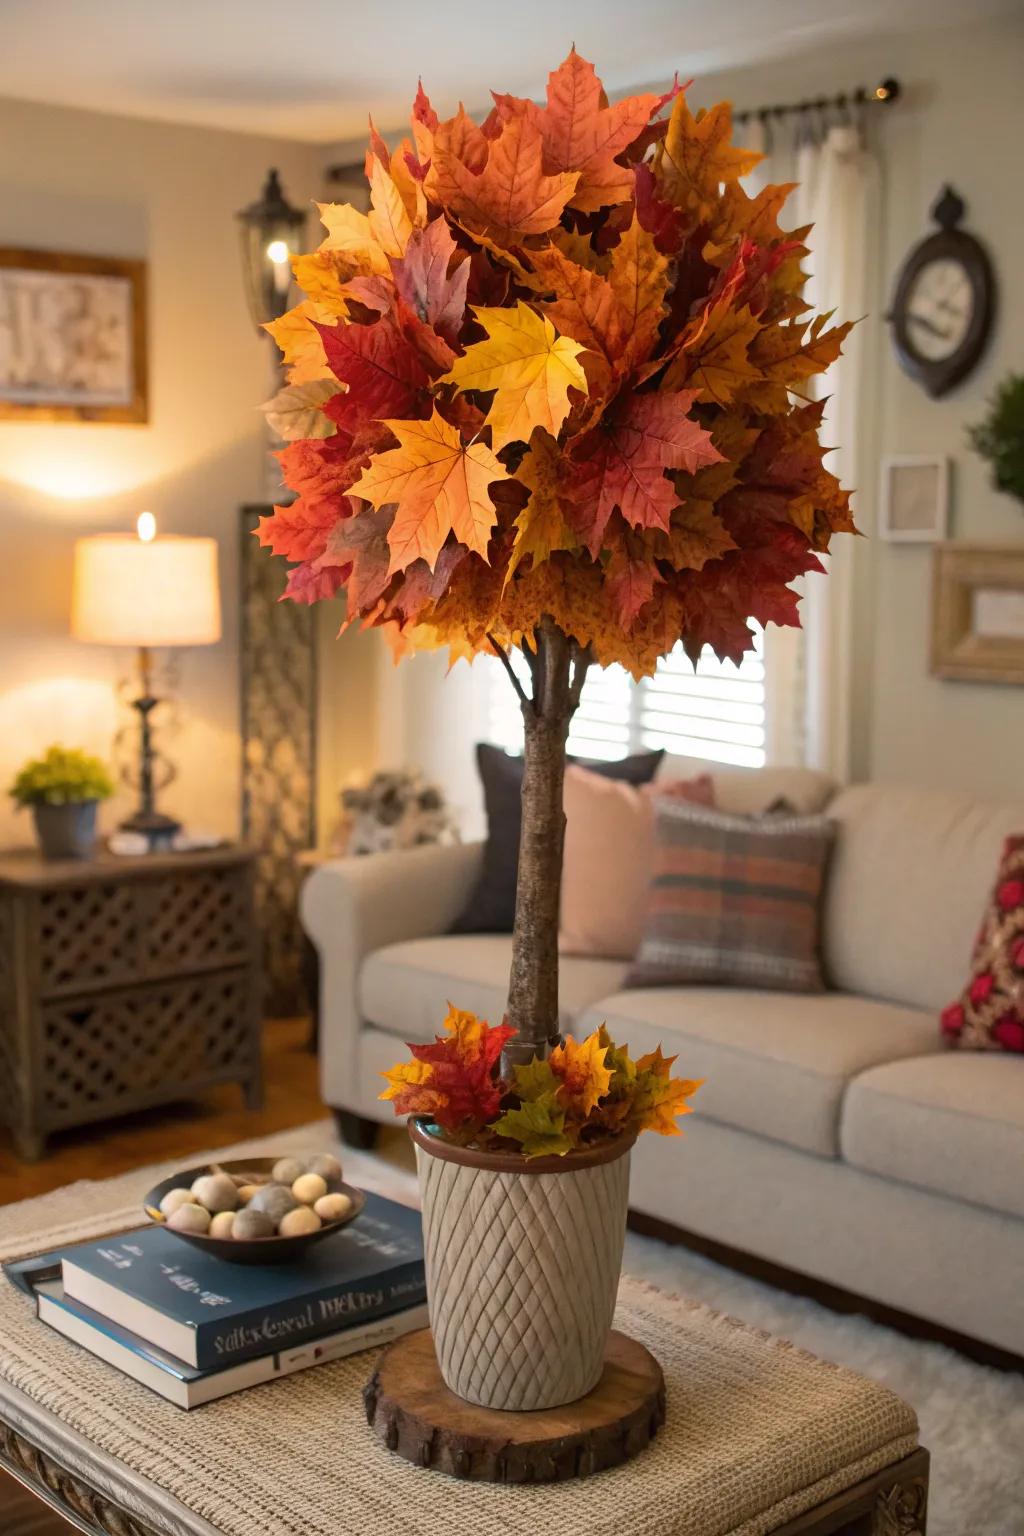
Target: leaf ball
{"x": 332, "y": 1207}
{"x": 190, "y": 1218}
{"x": 325, "y": 1165}
{"x": 217, "y": 1192}
{"x": 287, "y": 1169}
{"x": 309, "y": 1187}
{"x": 175, "y": 1199}
{"x": 249, "y": 1224}
{"x": 298, "y": 1222}
{"x": 273, "y": 1200}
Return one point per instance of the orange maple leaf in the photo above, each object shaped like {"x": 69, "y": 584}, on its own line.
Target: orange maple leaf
{"x": 697, "y": 155}
{"x": 583, "y": 1073}
{"x": 439, "y": 485}
{"x": 510, "y": 197}
{"x": 583, "y": 133}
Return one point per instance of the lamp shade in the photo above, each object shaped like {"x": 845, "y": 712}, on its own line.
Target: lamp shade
{"x": 127, "y": 592}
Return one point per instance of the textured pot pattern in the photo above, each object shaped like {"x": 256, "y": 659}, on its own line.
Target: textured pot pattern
{"x": 522, "y": 1275}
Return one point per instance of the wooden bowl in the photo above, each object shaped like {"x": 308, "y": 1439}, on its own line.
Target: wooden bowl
{"x": 253, "y": 1250}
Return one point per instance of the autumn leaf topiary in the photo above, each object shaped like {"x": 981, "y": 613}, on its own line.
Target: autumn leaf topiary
{"x": 558, "y": 375}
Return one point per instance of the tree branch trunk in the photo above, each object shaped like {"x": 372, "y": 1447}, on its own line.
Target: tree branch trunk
{"x": 533, "y": 984}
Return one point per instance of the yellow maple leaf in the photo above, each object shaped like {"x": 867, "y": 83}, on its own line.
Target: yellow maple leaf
{"x": 698, "y": 155}
{"x": 528, "y": 366}
{"x": 406, "y": 1074}
{"x": 541, "y": 526}
{"x": 583, "y": 1071}
{"x": 351, "y": 234}
{"x": 638, "y": 278}
{"x": 299, "y": 341}
{"x": 388, "y": 218}
{"x": 439, "y": 486}
{"x": 714, "y": 358}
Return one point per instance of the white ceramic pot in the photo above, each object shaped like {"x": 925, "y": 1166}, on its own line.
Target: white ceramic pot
{"x": 523, "y": 1261}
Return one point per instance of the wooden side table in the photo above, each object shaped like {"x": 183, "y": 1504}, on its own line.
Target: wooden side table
{"x": 124, "y": 983}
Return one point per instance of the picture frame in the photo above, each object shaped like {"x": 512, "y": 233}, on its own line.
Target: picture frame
{"x": 978, "y": 613}
{"x": 72, "y": 337}
{"x": 913, "y": 502}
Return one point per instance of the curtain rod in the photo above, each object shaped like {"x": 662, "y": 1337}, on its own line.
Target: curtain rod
{"x": 884, "y": 94}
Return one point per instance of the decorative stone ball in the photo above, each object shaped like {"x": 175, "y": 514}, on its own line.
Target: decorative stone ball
{"x": 332, "y": 1207}
{"x": 298, "y": 1222}
{"x": 325, "y": 1165}
{"x": 190, "y": 1218}
{"x": 273, "y": 1200}
{"x": 246, "y": 1192}
{"x": 217, "y": 1192}
{"x": 175, "y": 1199}
{"x": 223, "y": 1224}
{"x": 287, "y": 1169}
{"x": 309, "y": 1187}
{"x": 249, "y": 1224}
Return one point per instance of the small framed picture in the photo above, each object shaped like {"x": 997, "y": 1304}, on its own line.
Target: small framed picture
{"x": 72, "y": 337}
{"x": 914, "y": 499}
{"x": 978, "y": 613}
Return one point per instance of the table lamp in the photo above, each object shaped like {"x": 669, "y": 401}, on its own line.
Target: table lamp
{"x": 146, "y": 592}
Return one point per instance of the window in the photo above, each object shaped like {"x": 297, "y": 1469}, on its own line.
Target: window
{"x": 715, "y": 711}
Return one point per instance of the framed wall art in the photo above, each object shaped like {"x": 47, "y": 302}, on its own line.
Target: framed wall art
{"x": 72, "y": 338}
{"x": 978, "y": 613}
{"x": 913, "y": 503}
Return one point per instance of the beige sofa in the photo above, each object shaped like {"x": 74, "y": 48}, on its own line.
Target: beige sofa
{"x": 835, "y": 1136}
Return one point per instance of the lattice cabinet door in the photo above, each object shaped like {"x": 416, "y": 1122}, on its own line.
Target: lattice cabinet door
{"x": 124, "y": 984}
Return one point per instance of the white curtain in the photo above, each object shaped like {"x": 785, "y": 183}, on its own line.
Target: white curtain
{"x": 809, "y": 673}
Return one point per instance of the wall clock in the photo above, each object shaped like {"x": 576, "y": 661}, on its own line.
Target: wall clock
{"x": 944, "y": 303}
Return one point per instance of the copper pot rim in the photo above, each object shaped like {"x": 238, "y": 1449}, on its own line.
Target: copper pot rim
{"x": 515, "y": 1162}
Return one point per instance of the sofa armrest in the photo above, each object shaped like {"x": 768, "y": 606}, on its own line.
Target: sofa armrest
{"x": 351, "y": 907}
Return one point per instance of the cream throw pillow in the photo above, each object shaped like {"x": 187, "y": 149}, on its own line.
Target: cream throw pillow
{"x": 609, "y": 859}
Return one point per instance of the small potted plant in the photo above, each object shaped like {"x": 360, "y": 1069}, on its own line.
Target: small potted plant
{"x": 64, "y": 788}
{"x": 552, "y": 393}
{"x": 999, "y": 439}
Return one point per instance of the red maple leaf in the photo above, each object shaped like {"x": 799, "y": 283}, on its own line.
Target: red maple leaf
{"x": 384, "y": 374}
{"x": 622, "y": 463}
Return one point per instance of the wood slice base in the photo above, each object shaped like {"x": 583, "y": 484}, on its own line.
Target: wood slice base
{"x": 411, "y": 1410}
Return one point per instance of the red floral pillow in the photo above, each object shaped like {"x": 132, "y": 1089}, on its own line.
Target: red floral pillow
{"x": 990, "y": 1014}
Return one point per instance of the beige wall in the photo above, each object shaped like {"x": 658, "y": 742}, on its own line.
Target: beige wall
{"x": 961, "y": 121}
{"x": 84, "y": 182}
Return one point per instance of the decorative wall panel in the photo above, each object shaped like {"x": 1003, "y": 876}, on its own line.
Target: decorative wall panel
{"x": 279, "y": 685}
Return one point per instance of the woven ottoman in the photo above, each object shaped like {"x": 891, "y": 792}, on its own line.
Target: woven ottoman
{"x": 760, "y": 1437}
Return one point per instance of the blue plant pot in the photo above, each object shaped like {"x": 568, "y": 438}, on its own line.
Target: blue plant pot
{"x": 66, "y": 831}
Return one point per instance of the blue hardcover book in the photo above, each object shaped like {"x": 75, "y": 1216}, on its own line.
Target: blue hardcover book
{"x": 209, "y": 1313}
{"x": 185, "y": 1384}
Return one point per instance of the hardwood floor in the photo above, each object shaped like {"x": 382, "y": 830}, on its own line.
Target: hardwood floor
{"x": 215, "y": 1120}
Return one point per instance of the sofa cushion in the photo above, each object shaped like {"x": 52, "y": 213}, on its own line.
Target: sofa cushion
{"x": 949, "y": 1123}
{"x": 773, "y": 1064}
{"x": 909, "y": 878}
{"x": 733, "y": 900}
{"x": 750, "y": 791}
{"x": 406, "y": 988}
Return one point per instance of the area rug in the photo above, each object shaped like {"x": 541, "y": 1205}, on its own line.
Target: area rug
{"x": 971, "y": 1418}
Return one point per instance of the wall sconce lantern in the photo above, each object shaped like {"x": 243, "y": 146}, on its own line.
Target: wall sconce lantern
{"x": 271, "y": 231}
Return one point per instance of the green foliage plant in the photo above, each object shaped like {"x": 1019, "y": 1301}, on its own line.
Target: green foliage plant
{"x": 1000, "y": 437}
{"x": 62, "y": 776}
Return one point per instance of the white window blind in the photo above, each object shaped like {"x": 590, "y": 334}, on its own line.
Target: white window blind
{"x": 715, "y": 710}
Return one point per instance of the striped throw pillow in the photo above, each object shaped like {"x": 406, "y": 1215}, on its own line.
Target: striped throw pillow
{"x": 734, "y": 900}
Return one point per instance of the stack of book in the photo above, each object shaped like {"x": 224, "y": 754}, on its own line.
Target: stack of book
{"x": 195, "y": 1328}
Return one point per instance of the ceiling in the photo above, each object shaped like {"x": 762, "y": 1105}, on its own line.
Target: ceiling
{"x": 313, "y": 69}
